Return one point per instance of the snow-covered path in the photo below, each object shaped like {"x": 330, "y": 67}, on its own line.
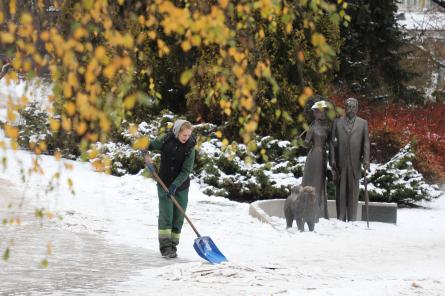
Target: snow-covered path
{"x": 81, "y": 260}
{"x": 117, "y": 218}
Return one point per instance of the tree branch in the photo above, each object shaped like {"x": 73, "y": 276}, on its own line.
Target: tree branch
{"x": 4, "y": 70}
{"x": 441, "y": 3}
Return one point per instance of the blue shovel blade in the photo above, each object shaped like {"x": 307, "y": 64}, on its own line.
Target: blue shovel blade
{"x": 207, "y": 250}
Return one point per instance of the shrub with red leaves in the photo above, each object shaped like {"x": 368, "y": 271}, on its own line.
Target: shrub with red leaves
{"x": 393, "y": 125}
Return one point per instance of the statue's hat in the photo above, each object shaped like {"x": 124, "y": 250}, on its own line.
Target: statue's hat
{"x": 320, "y": 105}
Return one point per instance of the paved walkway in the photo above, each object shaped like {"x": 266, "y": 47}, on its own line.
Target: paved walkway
{"x": 80, "y": 263}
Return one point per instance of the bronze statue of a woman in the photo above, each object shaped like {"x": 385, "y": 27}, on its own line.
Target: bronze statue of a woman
{"x": 317, "y": 138}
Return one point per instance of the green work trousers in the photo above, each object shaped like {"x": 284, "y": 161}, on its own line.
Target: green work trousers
{"x": 170, "y": 219}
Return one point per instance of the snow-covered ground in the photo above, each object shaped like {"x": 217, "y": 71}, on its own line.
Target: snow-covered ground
{"x": 422, "y": 20}
{"x": 337, "y": 259}
{"x": 36, "y": 90}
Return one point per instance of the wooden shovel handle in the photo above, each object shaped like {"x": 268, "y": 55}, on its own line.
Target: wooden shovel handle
{"x": 158, "y": 179}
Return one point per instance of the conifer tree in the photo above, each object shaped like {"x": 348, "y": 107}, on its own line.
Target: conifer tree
{"x": 372, "y": 50}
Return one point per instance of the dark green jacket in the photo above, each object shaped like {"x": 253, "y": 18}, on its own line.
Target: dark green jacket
{"x": 176, "y": 159}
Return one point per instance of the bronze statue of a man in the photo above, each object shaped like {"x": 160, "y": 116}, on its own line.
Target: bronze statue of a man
{"x": 349, "y": 149}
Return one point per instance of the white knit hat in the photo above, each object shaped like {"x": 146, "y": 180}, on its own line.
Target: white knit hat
{"x": 177, "y": 126}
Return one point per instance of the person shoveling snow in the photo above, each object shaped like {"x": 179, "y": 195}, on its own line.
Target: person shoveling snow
{"x": 177, "y": 158}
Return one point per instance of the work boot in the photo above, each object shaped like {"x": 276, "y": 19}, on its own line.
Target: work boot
{"x": 172, "y": 254}
{"x": 165, "y": 246}
{"x": 174, "y": 249}
{"x": 165, "y": 252}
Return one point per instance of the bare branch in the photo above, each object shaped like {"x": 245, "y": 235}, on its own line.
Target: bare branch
{"x": 4, "y": 70}
{"x": 441, "y": 3}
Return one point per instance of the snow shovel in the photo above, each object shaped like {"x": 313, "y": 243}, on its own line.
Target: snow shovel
{"x": 203, "y": 245}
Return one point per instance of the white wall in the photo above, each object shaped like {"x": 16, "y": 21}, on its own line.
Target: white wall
{"x": 415, "y": 5}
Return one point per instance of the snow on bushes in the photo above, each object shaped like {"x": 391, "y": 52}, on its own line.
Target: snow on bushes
{"x": 123, "y": 158}
{"x": 225, "y": 173}
{"x": 33, "y": 126}
{"x": 398, "y": 181}
{"x": 35, "y": 133}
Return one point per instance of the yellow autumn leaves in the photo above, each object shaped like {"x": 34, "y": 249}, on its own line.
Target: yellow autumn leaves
{"x": 79, "y": 69}
{"x": 93, "y": 64}
{"x": 236, "y": 90}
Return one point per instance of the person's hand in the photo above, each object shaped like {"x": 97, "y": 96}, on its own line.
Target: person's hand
{"x": 366, "y": 166}
{"x": 150, "y": 167}
{"x": 334, "y": 175}
{"x": 172, "y": 189}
